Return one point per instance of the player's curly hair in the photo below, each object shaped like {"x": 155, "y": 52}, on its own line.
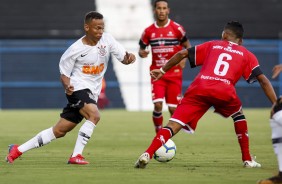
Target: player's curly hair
{"x": 92, "y": 15}
{"x": 236, "y": 28}
{"x": 156, "y": 1}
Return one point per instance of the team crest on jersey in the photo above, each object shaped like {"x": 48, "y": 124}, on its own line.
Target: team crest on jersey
{"x": 153, "y": 35}
{"x": 161, "y": 42}
{"x": 102, "y": 50}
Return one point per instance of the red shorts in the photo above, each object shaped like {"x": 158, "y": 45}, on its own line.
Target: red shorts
{"x": 193, "y": 107}
{"x": 168, "y": 89}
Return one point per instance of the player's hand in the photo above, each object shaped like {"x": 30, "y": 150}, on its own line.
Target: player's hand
{"x": 128, "y": 58}
{"x": 69, "y": 89}
{"x": 156, "y": 74}
{"x": 276, "y": 70}
{"x": 143, "y": 53}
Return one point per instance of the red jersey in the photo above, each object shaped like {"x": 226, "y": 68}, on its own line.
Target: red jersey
{"x": 165, "y": 42}
{"x": 223, "y": 64}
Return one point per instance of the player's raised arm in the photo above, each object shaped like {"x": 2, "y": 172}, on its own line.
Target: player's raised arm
{"x": 267, "y": 87}
{"x": 176, "y": 59}
{"x": 186, "y": 45}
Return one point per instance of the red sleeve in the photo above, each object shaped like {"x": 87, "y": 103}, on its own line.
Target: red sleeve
{"x": 144, "y": 40}
{"x": 198, "y": 54}
{"x": 252, "y": 69}
{"x": 180, "y": 32}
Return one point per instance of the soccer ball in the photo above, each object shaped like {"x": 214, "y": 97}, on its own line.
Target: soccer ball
{"x": 166, "y": 152}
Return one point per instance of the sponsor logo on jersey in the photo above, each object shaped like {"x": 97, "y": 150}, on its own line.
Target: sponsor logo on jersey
{"x": 170, "y": 34}
{"x": 228, "y": 49}
{"x": 206, "y": 77}
{"x": 102, "y": 50}
{"x": 162, "y": 139}
{"x": 162, "y": 60}
{"x": 162, "y": 56}
{"x": 163, "y": 50}
{"x": 93, "y": 70}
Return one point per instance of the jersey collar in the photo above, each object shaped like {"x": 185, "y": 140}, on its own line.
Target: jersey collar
{"x": 233, "y": 43}
{"x": 164, "y": 25}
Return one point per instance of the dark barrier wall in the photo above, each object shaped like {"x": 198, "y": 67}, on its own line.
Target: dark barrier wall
{"x": 43, "y": 19}
{"x": 29, "y": 74}
{"x": 201, "y": 18}
{"x": 35, "y": 33}
{"x": 205, "y": 18}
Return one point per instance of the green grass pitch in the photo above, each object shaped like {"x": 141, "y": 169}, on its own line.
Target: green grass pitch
{"x": 211, "y": 155}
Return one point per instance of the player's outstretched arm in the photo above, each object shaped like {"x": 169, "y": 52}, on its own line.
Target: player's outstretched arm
{"x": 174, "y": 60}
{"x": 277, "y": 69}
{"x": 129, "y": 58}
{"x": 186, "y": 45}
{"x": 267, "y": 87}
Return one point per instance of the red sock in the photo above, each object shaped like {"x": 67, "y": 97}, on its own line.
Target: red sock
{"x": 241, "y": 130}
{"x": 158, "y": 120}
{"x": 162, "y": 136}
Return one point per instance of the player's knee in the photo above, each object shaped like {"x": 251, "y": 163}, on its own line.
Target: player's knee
{"x": 158, "y": 106}
{"x": 59, "y": 133}
{"x": 94, "y": 117}
{"x": 174, "y": 127}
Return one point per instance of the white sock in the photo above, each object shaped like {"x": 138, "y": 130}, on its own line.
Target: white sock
{"x": 278, "y": 151}
{"x": 42, "y": 138}
{"x": 277, "y": 140}
{"x": 84, "y": 135}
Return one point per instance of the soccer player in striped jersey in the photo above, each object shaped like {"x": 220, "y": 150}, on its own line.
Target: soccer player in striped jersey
{"x": 166, "y": 38}
{"x": 223, "y": 63}
{"x": 82, "y": 68}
